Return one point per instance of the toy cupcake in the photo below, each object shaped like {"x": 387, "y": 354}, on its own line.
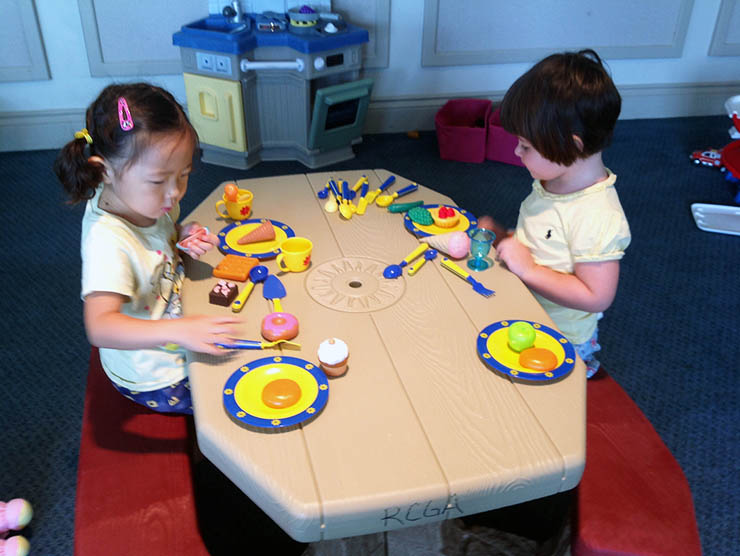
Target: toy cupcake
{"x": 333, "y": 355}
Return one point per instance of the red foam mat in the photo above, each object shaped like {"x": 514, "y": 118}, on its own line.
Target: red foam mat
{"x": 134, "y": 480}
{"x": 633, "y": 497}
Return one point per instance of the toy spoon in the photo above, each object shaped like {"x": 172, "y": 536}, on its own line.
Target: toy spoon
{"x": 184, "y": 244}
{"x": 345, "y": 209}
{"x": 429, "y": 255}
{"x": 374, "y": 194}
{"x": 257, "y": 274}
{"x": 395, "y": 270}
{"x": 385, "y": 200}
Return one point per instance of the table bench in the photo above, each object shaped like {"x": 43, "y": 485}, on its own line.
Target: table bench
{"x": 134, "y": 480}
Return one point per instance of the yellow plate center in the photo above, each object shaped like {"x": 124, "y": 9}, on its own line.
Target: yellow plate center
{"x": 498, "y": 346}
{"x": 238, "y": 232}
{"x": 462, "y": 226}
{"x": 250, "y": 389}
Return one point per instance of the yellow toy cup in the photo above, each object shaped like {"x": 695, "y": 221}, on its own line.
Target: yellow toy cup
{"x": 295, "y": 254}
{"x": 238, "y": 209}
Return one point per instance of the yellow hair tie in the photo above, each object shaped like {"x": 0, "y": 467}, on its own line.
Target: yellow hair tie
{"x": 83, "y": 134}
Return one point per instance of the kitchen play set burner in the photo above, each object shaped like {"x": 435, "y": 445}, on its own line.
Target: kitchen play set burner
{"x": 275, "y": 86}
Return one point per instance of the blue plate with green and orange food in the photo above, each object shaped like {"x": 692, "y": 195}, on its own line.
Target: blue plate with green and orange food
{"x": 493, "y": 347}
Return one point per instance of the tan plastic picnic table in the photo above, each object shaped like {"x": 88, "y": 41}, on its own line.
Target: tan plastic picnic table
{"x": 419, "y": 429}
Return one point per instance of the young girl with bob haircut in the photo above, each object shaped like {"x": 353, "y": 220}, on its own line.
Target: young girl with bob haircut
{"x": 131, "y": 164}
{"x": 571, "y": 232}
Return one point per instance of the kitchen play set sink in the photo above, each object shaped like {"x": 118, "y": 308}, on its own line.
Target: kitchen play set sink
{"x": 275, "y": 86}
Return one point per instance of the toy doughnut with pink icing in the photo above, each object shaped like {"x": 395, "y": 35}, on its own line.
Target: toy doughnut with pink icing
{"x": 279, "y": 326}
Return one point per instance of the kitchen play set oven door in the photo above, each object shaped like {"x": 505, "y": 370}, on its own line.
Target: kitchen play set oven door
{"x": 339, "y": 114}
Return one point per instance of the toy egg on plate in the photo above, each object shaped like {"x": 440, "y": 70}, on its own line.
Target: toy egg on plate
{"x": 333, "y": 355}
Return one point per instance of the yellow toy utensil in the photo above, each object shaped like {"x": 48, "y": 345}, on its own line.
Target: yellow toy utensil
{"x": 362, "y": 203}
{"x": 359, "y": 183}
{"x": 477, "y": 286}
{"x": 256, "y": 344}
{"x": 374, "y": 194}
{"x": 395, "y": 270}
{"x": 429, "y": 254}
{"x": 385, "y": 200}
{"x": 345, "y": 207}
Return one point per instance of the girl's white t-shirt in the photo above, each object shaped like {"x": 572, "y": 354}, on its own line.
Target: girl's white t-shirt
{"x": 142, "y": 264}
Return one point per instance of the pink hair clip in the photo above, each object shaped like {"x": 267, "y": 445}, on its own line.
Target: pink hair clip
{"x": 124, "y": 115}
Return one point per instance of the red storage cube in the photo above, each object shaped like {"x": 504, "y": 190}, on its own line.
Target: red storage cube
{"x": 461, "y": 129}
{"x": 500, "y": 144}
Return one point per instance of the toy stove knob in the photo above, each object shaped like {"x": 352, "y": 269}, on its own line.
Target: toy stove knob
{"x": 319, "y": 63}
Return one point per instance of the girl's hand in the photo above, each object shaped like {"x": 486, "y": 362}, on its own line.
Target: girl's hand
{"x": 516, "y": 256}
{"x": 200, "y": 245}
{"x": 201, "y": 333}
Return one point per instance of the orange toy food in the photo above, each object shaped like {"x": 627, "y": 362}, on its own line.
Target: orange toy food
{"x": 538, "y": 359}
{"x": 231, "y": 192}
{"x": 445, "y": 217}
{"x": 235, "y": 267}
{"x": 263, "y": 232}
{"x": 281, "y": 393}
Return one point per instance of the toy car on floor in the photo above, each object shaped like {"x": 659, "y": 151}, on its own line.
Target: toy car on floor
{"x": 708, "y": 157}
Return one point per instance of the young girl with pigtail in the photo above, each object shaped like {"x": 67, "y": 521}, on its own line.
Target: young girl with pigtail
{"x": 131, "y": 164}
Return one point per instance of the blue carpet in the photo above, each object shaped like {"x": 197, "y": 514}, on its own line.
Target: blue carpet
{"x": 671, "y": 339}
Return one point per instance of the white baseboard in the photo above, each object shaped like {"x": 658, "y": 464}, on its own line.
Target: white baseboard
{"x": 404, "y": 114}
{"x": 51, "y": 129}
{"x": 39, "y": 130}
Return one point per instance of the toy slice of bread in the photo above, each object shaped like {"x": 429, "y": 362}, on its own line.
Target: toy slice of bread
{"x": 263, "y": 232}
{"x": 235, "y": 267}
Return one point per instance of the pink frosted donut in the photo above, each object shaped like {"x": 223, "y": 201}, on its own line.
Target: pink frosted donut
{"x": 279, "y": 326}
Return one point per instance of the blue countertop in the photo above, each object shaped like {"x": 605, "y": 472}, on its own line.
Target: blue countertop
{"x": 218, "y": 34}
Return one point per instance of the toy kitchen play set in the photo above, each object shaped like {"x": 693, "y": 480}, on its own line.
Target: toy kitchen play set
{"x": 275, "y": 86}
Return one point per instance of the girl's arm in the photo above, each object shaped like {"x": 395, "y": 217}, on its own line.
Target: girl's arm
{"x": 107, "y": 327}
{"x": 591, "y": 287}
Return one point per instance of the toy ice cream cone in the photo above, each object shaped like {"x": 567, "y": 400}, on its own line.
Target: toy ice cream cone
{"x": 455, "y": 245}
{"x": 263, "y": 232}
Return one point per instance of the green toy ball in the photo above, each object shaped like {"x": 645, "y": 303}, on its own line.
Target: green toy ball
{"x": 521, "y": 336}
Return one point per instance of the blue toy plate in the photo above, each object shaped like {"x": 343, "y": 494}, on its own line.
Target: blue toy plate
{"x": 493, "y": 348}
{"x": 276, "y": 392}
{"x": 466, "y": 222}
{"x": 229, "y": 236}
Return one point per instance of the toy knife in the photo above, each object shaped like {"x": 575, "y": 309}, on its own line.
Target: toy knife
{"x": 362, "y": 203}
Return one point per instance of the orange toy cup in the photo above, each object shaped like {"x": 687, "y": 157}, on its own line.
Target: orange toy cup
{"x": 295, "y": 254}
{"x": 239, "y": 209}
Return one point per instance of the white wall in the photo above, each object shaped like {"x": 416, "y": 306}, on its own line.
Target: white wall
{"x": 37, "y": 114}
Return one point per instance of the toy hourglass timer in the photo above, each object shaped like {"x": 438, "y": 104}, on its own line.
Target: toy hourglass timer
{"x": 481, "y": 241}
